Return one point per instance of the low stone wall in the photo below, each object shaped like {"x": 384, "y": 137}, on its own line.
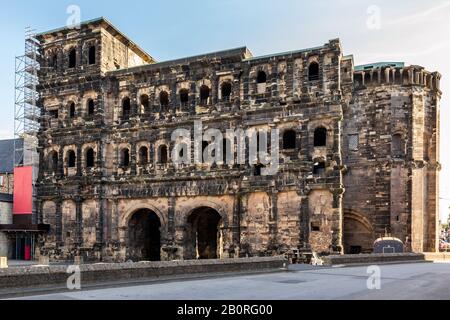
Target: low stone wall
{"x": 437, "y": 256}
{"x": 372, "y": 258}
{"x": 26, "y": 277}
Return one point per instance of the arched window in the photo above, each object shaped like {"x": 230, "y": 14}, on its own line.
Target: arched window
{"x": 73, "y": 58}
{"x": 53, "y": 161}
{"x": 204, "y": 94}
{"x": 54, "y": 61}
{"x": 226, "y": 91}
{"x": 262, "y": 77}
{"x": 375, "y": 77}
{"x": 258, "y": 170}
{"x": 72, "y": 110}
{"x": 320, "y": 137}
{"x": 405, "y": 76}
{"x": 313, "y": 71}
{"x": 289, "y": 140}
{"x": 92, "y": 55}
{"x": 145, "y": 102}
{"x": 71, "y": 159}
{"x": 184, "y": 97}
{"x": 124, "y": 158}
{"x": 90, "y": 158}
{"x": 143, "y": 155}
{"x": 397, "y": 76}
{"x": 163, "y": 155}
{"x": 90, "y": 107}
{"x": 262, "y": 82}
{"x": 164, "y": 99}
{"x": 126, "y": 109}
{"x": 358, "y": 80}
{"x": 367, "y": 79}
{"x": 319, "y": 168}
{"x": 398, "y": 149}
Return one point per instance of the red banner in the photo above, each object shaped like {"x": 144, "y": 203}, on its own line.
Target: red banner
{"x": 23, "y": 190}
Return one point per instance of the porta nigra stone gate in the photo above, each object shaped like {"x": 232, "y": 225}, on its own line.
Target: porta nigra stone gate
{"x": 358, "y": 149}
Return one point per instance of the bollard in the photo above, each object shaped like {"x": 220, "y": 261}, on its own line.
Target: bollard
{"x": 44, "y": 260}
{"x": 3, "y": 263}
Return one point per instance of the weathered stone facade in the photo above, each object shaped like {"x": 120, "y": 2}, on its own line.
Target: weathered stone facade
{"x": 109, "y": 191}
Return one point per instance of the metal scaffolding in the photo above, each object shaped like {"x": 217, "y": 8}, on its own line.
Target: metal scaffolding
{"x": 26, "y": 111}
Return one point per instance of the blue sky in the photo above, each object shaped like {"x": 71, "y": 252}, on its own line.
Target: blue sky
{"x": 413, "y": 31}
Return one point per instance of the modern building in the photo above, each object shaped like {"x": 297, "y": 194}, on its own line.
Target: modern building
{"x": 18, "y": 229}
{"x": 358, "y": 151}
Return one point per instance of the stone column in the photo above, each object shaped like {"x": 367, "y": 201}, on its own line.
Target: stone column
{"x": 387, "y": 72}
{"x": 236, "y": 226}
{"x": 171, "y": 249}
{"x": 60, "y": 169}
{"x": 171, "y": 220}
{"x": 79, "y": 221}
{"x": 133, "y": 159}
{"x": 305, "y": 224}
{"x": 338, "y": 221}
{"x": 59, "y": 222}
{"x": 79, "y": 161}
{"x": 273, "y": 219}
{"x": 100, "y": 220}
{"x": 40, "y": 213}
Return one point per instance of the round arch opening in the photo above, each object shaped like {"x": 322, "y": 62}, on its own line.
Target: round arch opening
{"x": 358, "y": 234}
{"x": 144, "y": 236}
{"x": 205, "y": 238}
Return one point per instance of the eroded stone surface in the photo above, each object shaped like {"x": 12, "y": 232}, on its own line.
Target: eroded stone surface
{"x": 105, "y": 135}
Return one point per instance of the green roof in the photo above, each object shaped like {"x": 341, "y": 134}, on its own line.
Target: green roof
{"x": 379, "y": 65}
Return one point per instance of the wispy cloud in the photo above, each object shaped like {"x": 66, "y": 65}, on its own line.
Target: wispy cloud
{"x": 420, "y": 15}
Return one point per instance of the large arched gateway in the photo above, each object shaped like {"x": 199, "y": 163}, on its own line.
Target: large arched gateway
{"x": 144, "y": 236}
{"x": 358, "y": 234}
{"x": 204, "y": 235}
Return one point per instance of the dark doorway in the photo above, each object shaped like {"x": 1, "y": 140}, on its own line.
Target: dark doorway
{"x": 358, "y": 234}
{"x": 205, "y": 235}
{"x": 355, "y": 250}
{"x": 144, "y": 236}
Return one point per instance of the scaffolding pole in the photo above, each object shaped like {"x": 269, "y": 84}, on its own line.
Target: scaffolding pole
{"x": 26, "y": 111}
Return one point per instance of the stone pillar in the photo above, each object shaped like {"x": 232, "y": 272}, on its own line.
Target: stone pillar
{"x": 40, "y": 213}
{"x": 133, "y": 159}
{"x": 273, "y": 219}
{"x": 338, "y": 221}
{"x": 171, "y": 220}
{"x": 174, "y": 101}
{"x": 60, "y": 169}
{"x": 115, "y": 221}
{"x": 100, "y": 220}
{"x": 58, "y": 228}
{"x": 79, "y": 220}
{"x": 305, "y": 224}
{"x": 99, "y": 160}
{"x": 388, "y": 74}
{"x": 79, "y": 161}
{"x": 236, "y": 226}
{"x": 171, "y": 249}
